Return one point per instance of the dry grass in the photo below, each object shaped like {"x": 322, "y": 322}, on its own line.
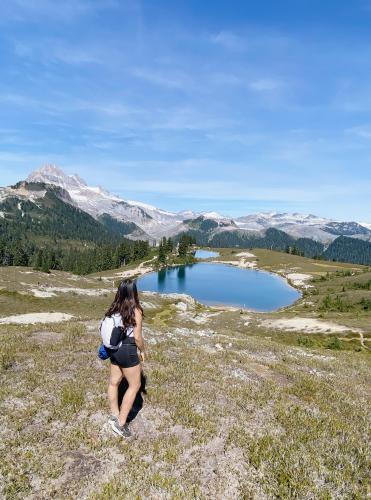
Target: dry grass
{"x": 233, "y": 410}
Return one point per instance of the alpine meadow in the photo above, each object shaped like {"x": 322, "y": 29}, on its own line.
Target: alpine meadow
{"x": 185, "y": 250}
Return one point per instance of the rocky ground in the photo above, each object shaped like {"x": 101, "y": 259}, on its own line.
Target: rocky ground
{"x": 239, "y": 404}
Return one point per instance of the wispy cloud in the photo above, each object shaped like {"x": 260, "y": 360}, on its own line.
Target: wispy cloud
{"x": 189, "y": 106}
{"x": 363, "y": 131}
{"x": 66, "y": 10}
{"x": 55, "y": 50}
{"x": 229, "y": 40}
{"x": 163, "y": 78}
{"x": 265, "y": 84}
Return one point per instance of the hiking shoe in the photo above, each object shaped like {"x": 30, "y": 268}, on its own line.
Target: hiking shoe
{"x": 113, "y": 418}
{"x": 121, "y": 430}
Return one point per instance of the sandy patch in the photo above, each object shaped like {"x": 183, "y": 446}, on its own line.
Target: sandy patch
{"x": 199, "y": 319}
{"x": 138, "y": 270}
{"x": 173, "y": 296}
{"x": 148, "y": 305}
{"x": 239, "y": 263}
{"x": 247, "y": 255}
{"x": 308, "y": 325}
{"x": 50, "y": 291}
{"x": 298, "y": 279}
{"x": 247, "y": 265}
{"x": 32, "y": 318}
{"x": 143, "y": 268}
{"x": 42, "y": 294}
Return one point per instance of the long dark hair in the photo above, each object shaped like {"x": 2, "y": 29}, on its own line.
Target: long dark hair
{"x": 125, "y": 302}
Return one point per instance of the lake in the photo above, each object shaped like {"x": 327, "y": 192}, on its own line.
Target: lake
{"x": 205, "y": 254}
{"x": 223, "y": 284}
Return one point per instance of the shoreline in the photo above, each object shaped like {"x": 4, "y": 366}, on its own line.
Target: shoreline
{"x": 225, "y": 307}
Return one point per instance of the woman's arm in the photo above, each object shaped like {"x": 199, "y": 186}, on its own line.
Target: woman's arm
{"x": 138, "y": 330}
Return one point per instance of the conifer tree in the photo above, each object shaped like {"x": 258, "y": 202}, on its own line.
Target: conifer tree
{"x": 161, "y": 258}
{"x": 169, "y": 245}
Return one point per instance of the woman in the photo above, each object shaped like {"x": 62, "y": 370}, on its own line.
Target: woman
{"x": 126, "y": 312}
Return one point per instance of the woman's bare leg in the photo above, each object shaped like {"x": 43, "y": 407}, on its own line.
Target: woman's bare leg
{"x": 113, "y": 387}
{"x": 132, "y": 375}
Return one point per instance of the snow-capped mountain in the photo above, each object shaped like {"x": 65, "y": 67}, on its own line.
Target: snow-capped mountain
{"x": 365, "y": 224}
{"x": 152, "y": 222}
{"x": 96, "y": 201}
{"x": 51, "y": 174}
{"x": 214, "y": 216}
{"x": 303, "y": 226}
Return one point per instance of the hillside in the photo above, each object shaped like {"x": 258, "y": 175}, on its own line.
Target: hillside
{"x": 34, "y": 210}
{"x": 349, "y": 250}
{"x": 67, "y": 208}
{"x": 239, "y": 404}
{"x": 343, "y": 249}
{"x": 41, "y": 227}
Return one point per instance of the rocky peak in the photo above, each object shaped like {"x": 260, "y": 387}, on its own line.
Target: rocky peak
{"x": 51, "y": 174}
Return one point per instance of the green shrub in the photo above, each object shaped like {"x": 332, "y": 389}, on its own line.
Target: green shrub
{"x": 362, "y": 286}
{"x": 305, "y": 341}
{"x": 335, "y": 343}
{"x": 336, "y": 304}
{"x": 365, "y": 304}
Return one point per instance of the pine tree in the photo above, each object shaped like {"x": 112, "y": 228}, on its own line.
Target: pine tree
{"x": 161, "y": 258}
{"x": 45, "y": 264}
{"x": 169, "y": 245}
{"x": 39, "y": 259}
{"x": 183, "y": 245}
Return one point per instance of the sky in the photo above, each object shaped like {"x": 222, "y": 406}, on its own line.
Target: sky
{"x": 234, "y": 106}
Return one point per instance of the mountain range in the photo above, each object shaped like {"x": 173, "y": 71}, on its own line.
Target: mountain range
{"x": 149, "y": 222}
{"x": 48, "y": 192}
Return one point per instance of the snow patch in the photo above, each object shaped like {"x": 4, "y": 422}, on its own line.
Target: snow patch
{"x": 367, "y": 225}
{"x": 214, "y": 215}
{"x": 149, "y": 207}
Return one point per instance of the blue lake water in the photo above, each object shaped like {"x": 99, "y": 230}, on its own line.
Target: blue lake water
{"x": 205, "y": 254}
{"x": 222, "y": 284}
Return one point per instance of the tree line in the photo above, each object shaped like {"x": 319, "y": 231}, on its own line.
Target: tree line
{"x": 167, "y": 246}
{"x": 76, "y": 259}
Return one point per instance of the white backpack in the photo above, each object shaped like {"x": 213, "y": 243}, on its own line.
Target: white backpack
{"x": 111, "y": 331}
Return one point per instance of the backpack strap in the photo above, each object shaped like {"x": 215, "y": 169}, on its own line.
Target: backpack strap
{"x": 116, "y": 320}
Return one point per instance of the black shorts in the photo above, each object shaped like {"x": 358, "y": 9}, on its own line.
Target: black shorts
{"x": 126, "y": 355}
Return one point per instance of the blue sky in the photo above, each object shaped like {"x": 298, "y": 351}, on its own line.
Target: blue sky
{"x": 234, "y": 106}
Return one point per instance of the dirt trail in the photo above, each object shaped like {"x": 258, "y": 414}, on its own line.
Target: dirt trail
{"x": 361, "y": 338}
